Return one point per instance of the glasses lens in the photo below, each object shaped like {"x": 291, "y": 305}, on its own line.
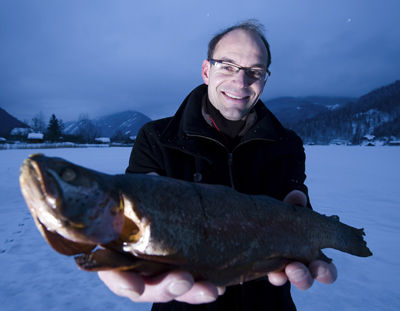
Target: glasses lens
{"x": 256, "y": 74}
{"x": 226, "y": 68}
{"x": 230, "y": 69}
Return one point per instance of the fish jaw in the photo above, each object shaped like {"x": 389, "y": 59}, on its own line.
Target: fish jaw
{"x": 80, "y": 209}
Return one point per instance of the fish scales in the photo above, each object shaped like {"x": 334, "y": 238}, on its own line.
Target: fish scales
{"x": 160, "y": 223}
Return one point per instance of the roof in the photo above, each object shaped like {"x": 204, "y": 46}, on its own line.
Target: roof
{"x": 35, "y": 136}
{"x": 104, "y": 140}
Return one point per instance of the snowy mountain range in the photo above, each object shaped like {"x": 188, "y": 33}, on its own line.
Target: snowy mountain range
{"x": 122, "y": 124}
{"x": 291, "y": 110}
{"x": 376, "y": 113}
{"x": 316, "y": 119}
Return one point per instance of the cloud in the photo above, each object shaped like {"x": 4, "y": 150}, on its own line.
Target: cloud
{"x": 72, "y": 57}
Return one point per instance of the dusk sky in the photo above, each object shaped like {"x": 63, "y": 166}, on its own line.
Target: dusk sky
{"x": 101, "y": 56}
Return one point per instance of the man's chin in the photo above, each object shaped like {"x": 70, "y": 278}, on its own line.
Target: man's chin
{"x": 234, "y": 114}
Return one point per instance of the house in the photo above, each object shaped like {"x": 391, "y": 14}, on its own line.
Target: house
{"x": 35, "y": 138}
{"x": 19, "y": 132}
{"x": 368, "y": 140}
{"x": 339, "y": 142}
{"x": 132, "y": 138}
{"x": 102, "y": 140}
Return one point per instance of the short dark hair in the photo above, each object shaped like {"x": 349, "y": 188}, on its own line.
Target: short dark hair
{"x": 250, "y": 25}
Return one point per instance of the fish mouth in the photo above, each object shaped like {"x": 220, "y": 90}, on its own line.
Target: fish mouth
{"x": 43, "y": 194}
{"x": 79, "y": 211}
{"x": 138, "y": 228}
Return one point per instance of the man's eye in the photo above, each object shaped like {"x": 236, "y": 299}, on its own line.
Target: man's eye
{"x": 256, "y": 73}
{"x": 229, "y": 68}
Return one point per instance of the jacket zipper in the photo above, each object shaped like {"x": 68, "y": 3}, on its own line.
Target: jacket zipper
{"x": 230, "y": 153}
{"x": 230, "y": 157}
{"x": 230, "y": 160}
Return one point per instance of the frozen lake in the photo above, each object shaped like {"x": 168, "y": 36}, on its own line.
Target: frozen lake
{"x": 360, "y": 184}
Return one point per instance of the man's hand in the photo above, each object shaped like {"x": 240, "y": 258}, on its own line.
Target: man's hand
{"x": 175, "y": 285}
{"x": 297, "y": 273}
{"x": 302, "y": 276}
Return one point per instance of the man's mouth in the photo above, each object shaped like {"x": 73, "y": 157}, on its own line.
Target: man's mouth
{"x": 235, "y": 96}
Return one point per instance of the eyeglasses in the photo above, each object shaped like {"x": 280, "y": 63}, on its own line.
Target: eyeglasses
{"x": 227, "y": 68}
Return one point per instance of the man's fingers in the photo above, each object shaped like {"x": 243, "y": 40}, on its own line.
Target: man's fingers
{"x": 162, "y": 288}
{"x": 296, "y": 197}
{"x": 167, "y": 287}
{"x": 323, "y": 272}
{"x": 126, "y": 284}
{"x": 201, "y": 292}
{"x": 299, "y": 275}
{"x": 277, "y": 278}
{"x": 221, "y": 290}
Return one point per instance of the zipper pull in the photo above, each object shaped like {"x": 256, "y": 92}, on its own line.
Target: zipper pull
{"x": 197, "y": 177}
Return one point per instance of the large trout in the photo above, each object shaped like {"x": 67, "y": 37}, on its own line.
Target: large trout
{"x": 152, "y": 224}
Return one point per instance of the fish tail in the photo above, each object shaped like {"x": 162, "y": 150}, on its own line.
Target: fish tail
{"x": 351, "y": 240}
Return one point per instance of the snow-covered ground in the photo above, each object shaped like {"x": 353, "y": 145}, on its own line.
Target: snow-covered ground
{"x": 360, "y": 184}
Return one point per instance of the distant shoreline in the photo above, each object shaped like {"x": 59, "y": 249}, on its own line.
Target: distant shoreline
{"x": 59, "y": 145}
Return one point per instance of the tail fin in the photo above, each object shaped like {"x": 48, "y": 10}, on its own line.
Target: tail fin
{"x": 351, "y": 240}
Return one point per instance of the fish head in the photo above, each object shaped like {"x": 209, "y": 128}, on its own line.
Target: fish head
{"x": 75, "y": 202}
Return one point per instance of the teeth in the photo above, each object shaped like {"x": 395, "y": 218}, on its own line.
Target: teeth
{"x": 233, "y": 96}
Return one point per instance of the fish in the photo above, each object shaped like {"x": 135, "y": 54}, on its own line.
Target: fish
{"x": 153, "y": 224}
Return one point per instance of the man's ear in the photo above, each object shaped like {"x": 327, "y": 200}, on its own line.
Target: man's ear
{"x": 205, "y": 71}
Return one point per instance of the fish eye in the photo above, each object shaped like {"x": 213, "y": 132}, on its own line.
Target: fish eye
{"x": 68, "y": 174}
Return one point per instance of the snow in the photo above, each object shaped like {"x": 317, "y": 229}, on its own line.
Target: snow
{"x": 103, "y": 140}
{"x": 369, "y": 137}
{"x": 333, "y": 107}
{"x": 35, "y": 136}
{"x": 20, "y": 131}
{"x": 357, "y": 183}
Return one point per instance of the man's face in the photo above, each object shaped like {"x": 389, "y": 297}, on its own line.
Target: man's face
{"x": 234, "y": 95}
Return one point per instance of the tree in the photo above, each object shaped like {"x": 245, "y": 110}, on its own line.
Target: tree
{"x": 54, "y": 129}
{"x": 87, "y": 130}
{"x": 38, "y": 124}
{"x": 119, "y": 137}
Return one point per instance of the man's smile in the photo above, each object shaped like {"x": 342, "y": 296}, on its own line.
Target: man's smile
{"x": 235, "y": 96}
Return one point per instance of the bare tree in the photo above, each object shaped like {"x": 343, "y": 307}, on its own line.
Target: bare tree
{"x": 38, "y": 123}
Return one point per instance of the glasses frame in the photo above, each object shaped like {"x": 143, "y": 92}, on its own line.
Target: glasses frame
{"x": 245, "y": 69}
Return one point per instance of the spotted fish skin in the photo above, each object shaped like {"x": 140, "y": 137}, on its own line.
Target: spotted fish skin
{"x": 159, "y": 223}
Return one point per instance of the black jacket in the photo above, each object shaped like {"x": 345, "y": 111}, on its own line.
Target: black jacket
{"x": 268, "y": 159}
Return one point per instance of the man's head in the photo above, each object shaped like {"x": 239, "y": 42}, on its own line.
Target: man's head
{"x": 235, "y": 71}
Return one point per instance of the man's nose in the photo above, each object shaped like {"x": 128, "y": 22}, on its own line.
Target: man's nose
{"x": 241, "y": 79}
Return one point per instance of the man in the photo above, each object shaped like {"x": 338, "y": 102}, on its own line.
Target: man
{"x": 223, "y": 134}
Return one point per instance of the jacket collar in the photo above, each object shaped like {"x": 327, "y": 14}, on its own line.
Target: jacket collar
{"x": 188, "y": 121}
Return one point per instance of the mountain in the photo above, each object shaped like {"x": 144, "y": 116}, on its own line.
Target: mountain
{"x": 128, "y": 123}
{"x": 376, "y": 113}
{"x": 119, "y": 125}
{"x": 8, "y": 122}
{"x": 291, "y": 110}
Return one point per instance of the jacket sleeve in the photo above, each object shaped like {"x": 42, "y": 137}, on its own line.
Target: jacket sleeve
{"x": 146, "y": 155}
{"x": 296, "y": 171}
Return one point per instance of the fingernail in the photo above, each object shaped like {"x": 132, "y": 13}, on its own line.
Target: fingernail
{"x": 322, "y": 272}
{"x": 178, "y": 288}
{"x": 221, "y": 290}
{"x": 128, "y": 291}
{"x": 298, "y": 275}
{"x": 202, "y": 297}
